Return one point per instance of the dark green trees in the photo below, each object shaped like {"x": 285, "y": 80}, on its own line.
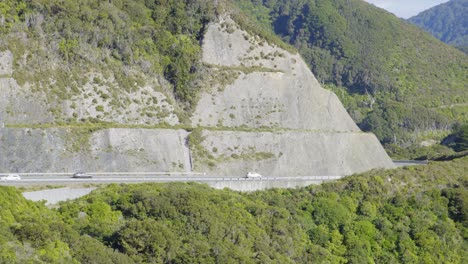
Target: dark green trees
{"x": 458, "y": 140}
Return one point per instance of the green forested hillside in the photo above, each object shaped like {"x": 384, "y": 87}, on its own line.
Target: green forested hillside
{"x": 32, "y": 233}
{"x": 407, "y": 215}
{"x": 395, "y": 80}
{"x": 447, "y": 22}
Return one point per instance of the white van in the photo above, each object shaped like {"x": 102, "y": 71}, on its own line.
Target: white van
{"x": 252, "y": 174}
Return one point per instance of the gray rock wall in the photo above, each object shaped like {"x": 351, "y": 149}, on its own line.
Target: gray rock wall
{"x": 311, "y": 132}
{"x": 6, "y": 63}
{"x": 274, "y": 89}
{"x": 19, "y": 106}
{"x": 109, "y": 150}
{"x": 292, "y": 153}
{"x": 161, "y": 150}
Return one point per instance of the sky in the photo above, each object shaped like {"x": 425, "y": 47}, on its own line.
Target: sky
{"x": 406, "y": 8}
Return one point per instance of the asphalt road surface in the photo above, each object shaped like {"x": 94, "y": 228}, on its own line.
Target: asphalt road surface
{"x": 28, "y": 179}
{"x": 141, "y": 177}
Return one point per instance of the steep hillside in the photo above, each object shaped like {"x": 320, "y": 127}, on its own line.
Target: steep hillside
{"x": 260, "y": 109}
{"x": 407, "y": 215}
{"x": 447, "y": 22}
{"x": 83, "y": 91}
{"x": 274, "y": 91}
{"x": 393, "y": 78}
{"x": 139, "y": 62}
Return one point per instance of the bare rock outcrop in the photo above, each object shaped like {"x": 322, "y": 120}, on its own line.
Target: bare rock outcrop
{"x": 305, "y": 130}
{"x": 107, "y": 150}
{"x": 292, "y": 153}
{"x": 99, "y": 97}
{"x": 273, "y": 88}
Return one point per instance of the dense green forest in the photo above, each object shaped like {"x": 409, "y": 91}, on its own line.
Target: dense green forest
{"x": 447, "y": 22}
{"x": 394, "y": 79}
{"x": 32, "y": 233}
{"x": 408, "y": 215}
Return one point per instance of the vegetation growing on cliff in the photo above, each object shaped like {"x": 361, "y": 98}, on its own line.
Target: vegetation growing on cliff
{"x": 459, "y": 139}
{"x": 414, "y": 214}
{"x": 133, "y": 40}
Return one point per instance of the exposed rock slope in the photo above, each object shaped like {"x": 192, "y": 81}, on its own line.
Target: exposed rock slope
{"x": 66, "y": 150}
{"x": 293, "y": 153}
{"x": 261, "y": 109}
{"x": 272, "y": 87}
{"x": 97, "y": 98}
{"x": 308, "y": 130}
{"x": 17, "y": 103}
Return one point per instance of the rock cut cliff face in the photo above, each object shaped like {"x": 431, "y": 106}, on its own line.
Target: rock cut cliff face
{"x": 97, "y": 98}
{"x": 17, "y": 103}
{"x": 107, "y": 150}
{"x": 261, "y": 109}
{"x": 305, "y": 129}
{"x": 273, "y": 88}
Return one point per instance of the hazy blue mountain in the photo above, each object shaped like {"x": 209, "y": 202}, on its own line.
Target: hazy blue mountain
{"x": 447, "y": 22}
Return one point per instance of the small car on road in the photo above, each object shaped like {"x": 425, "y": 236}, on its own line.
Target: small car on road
{"x": 11, "y": 177}
{"x": 252, "y": 174}
{"x": 82, "y": 175}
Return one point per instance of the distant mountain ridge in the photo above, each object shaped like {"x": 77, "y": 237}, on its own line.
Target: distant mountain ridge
{"x": 447, "y": 22}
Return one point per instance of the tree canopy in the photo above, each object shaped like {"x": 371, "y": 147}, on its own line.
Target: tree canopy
{"x": 447, "y": 22}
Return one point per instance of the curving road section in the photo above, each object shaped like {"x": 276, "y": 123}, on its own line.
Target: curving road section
{"x": 404, "y": 163}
